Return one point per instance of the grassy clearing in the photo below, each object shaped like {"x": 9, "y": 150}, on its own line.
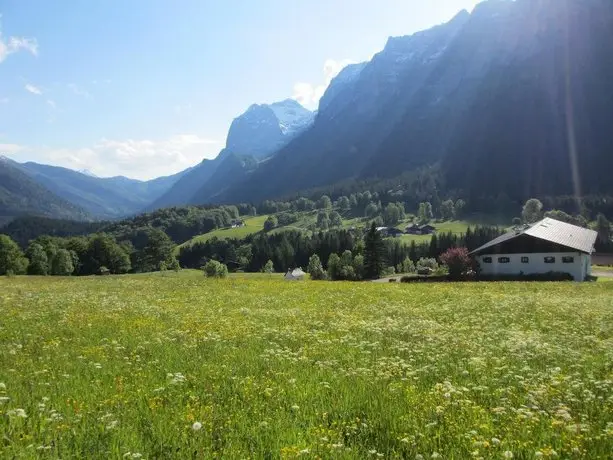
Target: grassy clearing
{"x": 252, "y": 225}
{"x": 177, "y": 366}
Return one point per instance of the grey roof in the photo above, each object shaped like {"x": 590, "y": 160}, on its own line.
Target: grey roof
{"x": 555, "y": 231}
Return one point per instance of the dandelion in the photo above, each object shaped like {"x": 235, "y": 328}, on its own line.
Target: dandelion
{"x": 197, "y": 426}
{"x": 295, "y": 407}
{"x": 435, "y": 455}
{"x": 507, "y": 454}
{"x": 495, "y": 441}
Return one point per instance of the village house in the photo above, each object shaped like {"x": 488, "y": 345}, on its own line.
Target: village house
{"x": 546, "y": 246}
{"x": 415, "y": 229}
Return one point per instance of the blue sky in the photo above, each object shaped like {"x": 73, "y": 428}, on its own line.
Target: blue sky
{"x": 145, "y": 88}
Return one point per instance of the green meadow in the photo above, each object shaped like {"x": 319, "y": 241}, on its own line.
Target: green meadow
{"x": 179, "y": 366}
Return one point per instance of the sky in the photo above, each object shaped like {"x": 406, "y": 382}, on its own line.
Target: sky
{"x": 147, "y": 88}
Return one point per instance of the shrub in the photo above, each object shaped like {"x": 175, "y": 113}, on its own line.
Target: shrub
{"x": 214, "y": 269}
{"x": 458, "y": 261}
{"x": 427, "y": 263}
{"x": 315, "y": 268}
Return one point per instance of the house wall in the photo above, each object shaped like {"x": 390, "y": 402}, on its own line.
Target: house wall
{"x": 579, "y": 269}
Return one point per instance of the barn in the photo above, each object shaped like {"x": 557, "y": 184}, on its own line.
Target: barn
{"x": 546, "y": 246}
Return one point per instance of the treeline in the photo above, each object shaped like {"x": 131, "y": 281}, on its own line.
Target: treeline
{"x": 96, "y": 254}
{"x": 291, "y": 249}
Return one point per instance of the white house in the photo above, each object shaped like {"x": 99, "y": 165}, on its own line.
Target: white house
{"x": 543, "y": 247}
{"x": 295, "y": 275}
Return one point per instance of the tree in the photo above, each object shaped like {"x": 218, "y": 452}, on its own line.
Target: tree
{"x": 344, "y": 204}
{"x": 457, "y": 260}
{"x": 336, "y": 220}
{"x": 424, "y": 214}
{"x": 603, "y": 227}
{"x": 406, "y": 266}
{"x": 374, "y": 254}
{"x": 214, "y": 269}
{"x": 334, "y": 266}
{"x": 427, "y": 263}
{"x": 271, "y": 222}
{"x": 62, "y": 265}
{"x": 392, "y": 215}
{"x": 358, "y": 267}
{"x": 371, "y": 210}
{"x": 12, "y": 260}
{"x": 269, "y": 267}
{"x": 315, "y": 269}
{"x": 448, "y": 210}
{"x": 516, "y": 222}
{"x": 323, "y": 221}
{"x": 532, "y": 211}
{"x": 460, "y": 206}
{"x": 158, "y": 249}
{"x": 324, "y": 202}
{"x": 39, "y": 263}
{"x": 103, "y": 251}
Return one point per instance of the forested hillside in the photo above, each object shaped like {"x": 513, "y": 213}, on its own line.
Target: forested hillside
{"x": 22, "y": 195}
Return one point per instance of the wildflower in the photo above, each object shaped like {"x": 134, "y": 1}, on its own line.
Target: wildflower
{"x": 496, "y": 441}
{"x": 435, "y": 455}
{"x": 419, "y": 457}
{"x": 197, "y": 426}
{"x": 4, "y": 399}
{"x": 295, "y": 407}
{"x": 304, "y": 451}
{"x": 2, "y": 386}
{"x": 18, "y": 413}
{"x": 507, "y": 454}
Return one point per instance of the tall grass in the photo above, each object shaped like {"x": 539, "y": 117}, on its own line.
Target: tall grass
{"x": 183, "y": 367}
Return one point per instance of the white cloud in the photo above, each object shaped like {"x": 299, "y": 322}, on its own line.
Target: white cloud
{"x": 309, "y": 94}
{"x": 79, "y": 91}
{"x": 51, "y": 103}
{"x": 14, "y": 44}
{"x": 33, "y": 89}
{"x": 10, "y": 149}
{"x": 140, "y": 159}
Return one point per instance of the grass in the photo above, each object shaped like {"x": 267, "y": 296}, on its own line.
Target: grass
{"x": 177, "y": 366}
{"x": 252, "y": 225}
{"x": 602, "y": 268}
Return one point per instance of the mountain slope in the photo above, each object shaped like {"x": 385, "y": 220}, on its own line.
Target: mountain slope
{"x": 252, "y": 138}
{"x": 495, "y": 97}
{"x": 22, "y": 195}
{"x": 104, "y": 198}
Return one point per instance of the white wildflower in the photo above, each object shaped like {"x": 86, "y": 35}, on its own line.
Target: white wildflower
{"x": 17, "y": 413}
{"x": 197, "y": 426}
{"x": 507, "y": 454}
{"x": 496, "y": 441}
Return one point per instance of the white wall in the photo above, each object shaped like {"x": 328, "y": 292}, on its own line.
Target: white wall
{"x": 579, "y": 269}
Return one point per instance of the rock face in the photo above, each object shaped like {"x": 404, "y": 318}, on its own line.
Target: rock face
{"x": 263, "y": 129}
{"x": 512, "y": 98}
{"x": 253, "y": 137}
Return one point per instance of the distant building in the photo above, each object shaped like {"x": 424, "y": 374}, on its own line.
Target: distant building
{"x": 237, "y": 224}
{"x": 295, "y": 275}
{"x": 415, "y": 229}
{"x": 546, "y": 246}
{"x": 389, "y": 231}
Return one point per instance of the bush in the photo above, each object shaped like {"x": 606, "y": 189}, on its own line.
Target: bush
{"x": 458, "y": 261}
{"x": 432, "y": 264}
{"x": 214, "y": 269}
{"x": 315, "y": 268}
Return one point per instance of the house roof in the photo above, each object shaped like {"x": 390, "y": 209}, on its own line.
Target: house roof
{"x": 554, "y": 231}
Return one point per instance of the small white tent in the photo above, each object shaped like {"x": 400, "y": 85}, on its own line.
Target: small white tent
{"x": 295, "y": 275}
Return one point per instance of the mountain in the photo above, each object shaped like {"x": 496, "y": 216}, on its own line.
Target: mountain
{"x": 20, "y": 194}
{"x": 514, "y": 98}
{"x": 252, "y": 138}
{"x": 103, "y": 198}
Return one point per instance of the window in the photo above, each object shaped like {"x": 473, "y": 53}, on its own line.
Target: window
{"x": 503, "y": 260}
{"x": 550, "y": 260}
{"x": 487, "y": 260}
{"x": 525, "y": 260}
{"x": 568, "y": 260}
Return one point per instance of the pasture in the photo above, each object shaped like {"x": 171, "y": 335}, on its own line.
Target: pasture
{"x": 178, "y": 366}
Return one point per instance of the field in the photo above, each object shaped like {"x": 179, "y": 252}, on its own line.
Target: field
{"x": 252, "y": 225}
{"x": 177, "y": 366}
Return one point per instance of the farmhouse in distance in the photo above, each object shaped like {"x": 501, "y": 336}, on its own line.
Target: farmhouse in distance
{"x": 543, "y": 247}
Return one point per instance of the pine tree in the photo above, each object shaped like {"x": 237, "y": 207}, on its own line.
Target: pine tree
{"x": 374, "y": 254}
